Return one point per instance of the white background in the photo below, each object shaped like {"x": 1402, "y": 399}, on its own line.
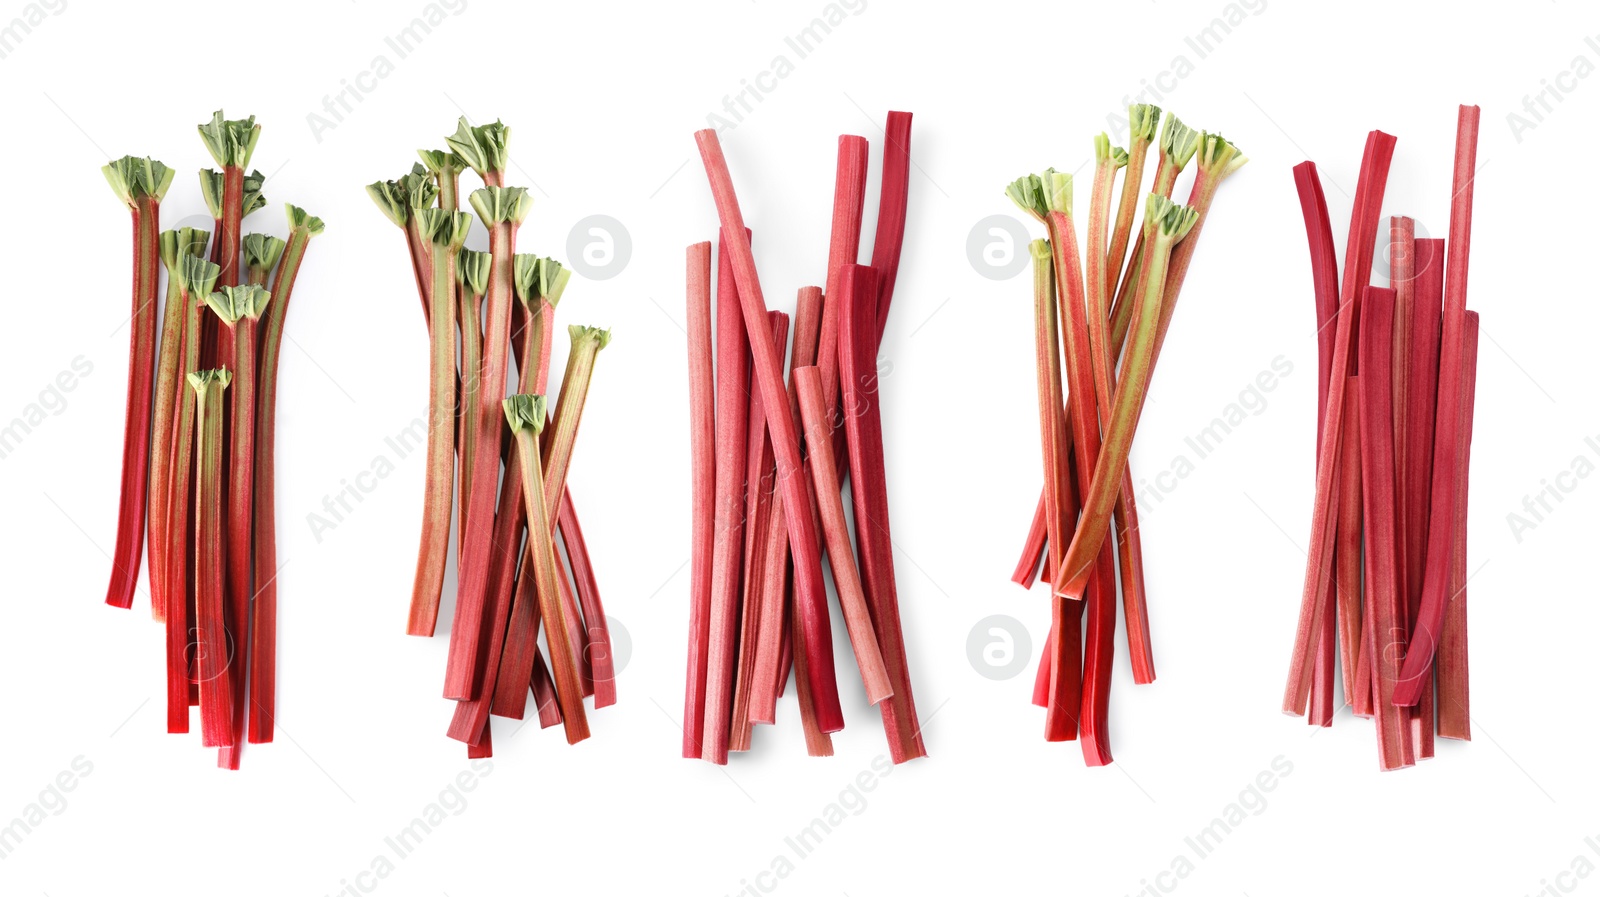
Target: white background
{"x": 603, "y": 103}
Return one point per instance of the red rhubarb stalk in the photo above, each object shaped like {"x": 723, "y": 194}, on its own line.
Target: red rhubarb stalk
{"x": 893, "y": 193}
{"x": 502, "y": 209}
{"x": 852, "y": 598}
{"x": 1357, "y": 669}
{"x": 1358, "y": 271}
{"x": 1384, "y": 605}
{"x": 264, "y": 624}
{"x": 844, "y": 246}
{"x": 176, "y": 247}
{"x": 1455, "y": 719}
{"x": 140, "y": 184}
{"x": 858, "y": 351}
{"x": 472, "y": 279}
{"x": 809, "y": 591}
{"x": 1415, "y": 674}
{"x": 703, "y": 465}
{"x": 708, "y": 693}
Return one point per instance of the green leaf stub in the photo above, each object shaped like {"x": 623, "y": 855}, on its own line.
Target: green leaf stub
{"x": 261, "y": 251}
{"x": 524, "y": 412}
{"x": 202, "y": 380}
{"x": 482, "y": 147}
{"x": 230, "y": 142}
{"x": 300, "y": 219}
{"x": 498, "y": 204}
{"x": 472, "y": 270}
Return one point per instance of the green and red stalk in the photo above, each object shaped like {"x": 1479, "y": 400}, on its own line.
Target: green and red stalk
{"x": 264, "y": 617}
{"x": 844, "y": 247}
{"x": 196, "y": 277}
{"x": 397, "y": 201}
{"x": 770, "y": 638}
{"x": 211, "y": 648}
{"x": 601, "y": 660}
{"x": 1101, "y": 590}
{"x": 175, "y": 247}
{"x": 230, "y": 143}
{"x": 483, "y": 149}
{"x": 1385, "y": 607}
{"x": 1358, "y": 271}
{"x": 1415, "y": 675}
{"x": 445, "y": 168}
{"x": 140, "y": 184}
{"x": 502, "y": 209}
{"x": 240, "y": 308}
{"x": 766, "y": 511}
{"x": 893, "y": 193}
{"x": 527, "y": 414}
{"x": 445, "y": 231}
{"x": 472, "y": 278}
{"x": 809, "y": 590}
{"x": 825, "y": 476}
{"x": 1455, "y": 720}
{"x": 1166, "y": 224}
{"x": 713, "y": 670}
{"x": 562, "y": 631}
{"x": 1065, "y": 690}
{"x": 1142, "y": 121}
{"x": 858, "y": 352}
{"x": 1179, "y": 143}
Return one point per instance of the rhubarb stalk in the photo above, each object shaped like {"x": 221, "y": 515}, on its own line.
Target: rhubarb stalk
{"x": 1415, "y": 675}
{"x": 1455, "y": 718}
{"x": 212, "y": 652}
{"x": 140, "y": 184}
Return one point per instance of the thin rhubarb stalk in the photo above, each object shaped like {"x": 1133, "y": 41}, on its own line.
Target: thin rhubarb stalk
{"x": 1101, "y": 590}
{"x": 264, "y": 622}
{"x": 176, "y": 247}
{"x": 844, "y": 247}
{"x": 1455, "y": 718}
{"x": 445, "y": 231}
{"x": 1178, "y": 145}
{"x": 472, "y": 276}
{"x": 526, "y": 415}
{"x": 601, "y": 660}
{"x": 1061, "y": 721}
{"x": 1073, "y": 649}
{"x": 1421, "y": 397}
{"x": 1166, "y": 223}
{"x": 761, "y": 498}
{"x": 1347, "y": 553}
{"x": 196, "y": 278}
{"x": 770, "y": 638}
{"x": 818, "y": 742}
{"x": 1142, "y": 121}
{"x": 510, "y": 689}
{"x": 211, "y": 649}
{"x": 704, "y": 694}
{"x": 1033, "y": 546}
{"x": 140, "y": 184}
{"x": 810, "y": 595}
{"x": 1415, "y": 674}
{"x": 825, "y": 475}
{"x": 240, "y": 309}
{"x": 894, "y": 189}
{"x": 858, "y": 351}
{"x": 502, "y": 209}
{"x": 445, "y": 168}
{"x": 230, "y": 143}
{"x": 1358, "y": 271}
{"x": 703, "y": 466}
{"x": 482, "y": 148}
{"x": 1384, "y": 605}
{"x": 394, "y": 199}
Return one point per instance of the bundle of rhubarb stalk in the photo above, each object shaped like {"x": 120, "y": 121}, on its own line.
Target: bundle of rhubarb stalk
{"x": 1086, "y": 527}
{"x": 1386, "y": 577}
{"x": 483, "y": 310}
{"x": 758, "y": 604}
{"x": 199, "y": 446}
